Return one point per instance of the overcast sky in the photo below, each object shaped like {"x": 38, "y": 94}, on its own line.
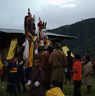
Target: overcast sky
{"x": 55, "y": 12}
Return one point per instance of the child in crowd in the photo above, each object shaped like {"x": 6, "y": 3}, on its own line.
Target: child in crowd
{"x": 36, "y": 80}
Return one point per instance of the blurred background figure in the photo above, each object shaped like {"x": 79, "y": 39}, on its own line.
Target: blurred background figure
{"x": 69, "y": 66}
{"x": 1, "y": 68}
{"x": 88, "y": 73}
{"x": 77, "y": 75}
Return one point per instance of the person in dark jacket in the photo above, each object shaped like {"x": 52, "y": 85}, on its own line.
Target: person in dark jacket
{"x": 21, "y": 74}
{"x": 12, "y": 79}
{"x": 37, "y": 80}
{"x": 69, "y": 66}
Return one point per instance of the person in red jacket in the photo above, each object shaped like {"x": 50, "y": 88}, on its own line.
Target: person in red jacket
{"x": 77, "y": 75}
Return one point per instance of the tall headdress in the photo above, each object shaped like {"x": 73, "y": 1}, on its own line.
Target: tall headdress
{"x": 29, "y": 11}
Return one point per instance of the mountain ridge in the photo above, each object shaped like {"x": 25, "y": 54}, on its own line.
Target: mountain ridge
{"x": 84, "y": 30}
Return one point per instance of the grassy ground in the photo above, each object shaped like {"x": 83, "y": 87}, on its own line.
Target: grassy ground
{"x": 68, "y": 90}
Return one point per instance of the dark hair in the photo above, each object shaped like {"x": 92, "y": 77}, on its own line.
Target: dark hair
{"x": 50, "y": 48}
{"x": 55, "y": 83}
{"x": 77, "y": 57}
{"x": 68, "y": 52}
{"x": 57, "y": 45}
{"x": 41, "y": 48}
{"x": 88, "y": 58}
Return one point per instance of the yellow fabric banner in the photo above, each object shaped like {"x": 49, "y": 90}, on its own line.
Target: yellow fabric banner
{"x": 31, "y": 53}
{"x": 56, "y": 91}
{"x": 1, "y": 65}
{"x": 65, "y": 49}
{"x": 12, "y": 48}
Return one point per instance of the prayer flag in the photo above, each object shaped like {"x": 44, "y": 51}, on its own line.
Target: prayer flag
{"x": 12, "y": 49}
{"x": 65, "y": 49}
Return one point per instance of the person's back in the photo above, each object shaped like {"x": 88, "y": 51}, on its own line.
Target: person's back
{"x": 93, "y": 67}
{"x": 77, "y": 75}
{"x": 77, "y": 71}
{"x": 69, "y": 66}
{"x": 57, "y": 60}
{"x": 69, "y": 62}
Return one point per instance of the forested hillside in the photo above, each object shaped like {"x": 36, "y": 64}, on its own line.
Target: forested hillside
{"x": 85, "y": 31}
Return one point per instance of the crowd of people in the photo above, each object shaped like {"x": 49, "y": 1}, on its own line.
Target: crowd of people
{"x": 51, "y": 70}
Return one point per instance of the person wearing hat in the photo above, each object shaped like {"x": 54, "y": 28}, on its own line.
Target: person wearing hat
{"x": 29, "y": 24}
